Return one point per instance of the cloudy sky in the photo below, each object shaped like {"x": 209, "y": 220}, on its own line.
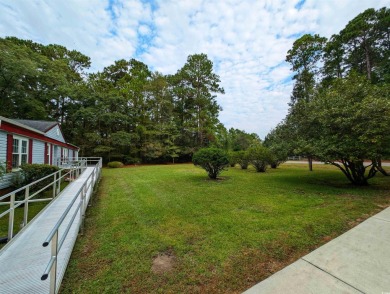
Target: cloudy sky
{"x": 247, "y": 40}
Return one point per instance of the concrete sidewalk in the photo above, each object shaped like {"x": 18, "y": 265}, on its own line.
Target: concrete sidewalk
{"x": 356, "y": 262}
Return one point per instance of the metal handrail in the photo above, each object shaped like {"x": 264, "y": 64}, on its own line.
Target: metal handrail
{"x": 68, "y": 160}
{"x": 24, "y": 187}
{"x": 74, "y": 172}
{"x": 82, "y": 162}
{"x": 53, "y": 236}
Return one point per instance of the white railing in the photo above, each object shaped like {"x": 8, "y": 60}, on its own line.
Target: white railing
{"x": 69, "y": 161}
{"x": 28, "y": 194}
{"x": 80, "y": 208}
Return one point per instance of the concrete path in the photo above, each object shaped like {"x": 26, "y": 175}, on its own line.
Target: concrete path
{"x": 356, "y": 262}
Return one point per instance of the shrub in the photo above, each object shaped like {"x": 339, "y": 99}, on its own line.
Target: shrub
{"x": 2, "y": 169}
{"x": 274, "y": 162}
{"x": 29, "y": 173}
{"x": 243, "y": 159}
{"x": 232, "y": 156}
{"x": 33, "y": 172}
{"x": 213, "y": 160}
{"x": 277, "y": 156}
{"x": 17, "y": 180}
{"x": 115, "y": 164}
{"x": 259, "y": 157}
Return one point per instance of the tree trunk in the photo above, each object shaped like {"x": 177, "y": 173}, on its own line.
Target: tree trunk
{"x": 368, "y": 62}
{"x": 380, "y": 168}
{"x": 310, "y": 161}
{"x": 355, "y": 171}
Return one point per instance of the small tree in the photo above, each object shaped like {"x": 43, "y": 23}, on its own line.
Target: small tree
{"x": 352, "y": 119}
{"x": 233, "y": 158}
{"x": 243, "y": 159}
{"x": 213, "y": 160}
{"x": 259, "y": 157}
{"x": 279, "y": 144}
{"x": 274, "y": 162}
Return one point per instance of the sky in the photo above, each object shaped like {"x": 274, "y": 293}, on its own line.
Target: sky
{"x": 247, "y": 40}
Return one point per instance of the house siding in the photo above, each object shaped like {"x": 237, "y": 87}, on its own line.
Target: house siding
{"x": 3, "y": 147}
{"x": 7, "y": 180}
{"x": 38, "y": 152}
{"x": 56, "y": 134}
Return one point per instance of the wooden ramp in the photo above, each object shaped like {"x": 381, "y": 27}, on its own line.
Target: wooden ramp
{"x": 24, "y": 259}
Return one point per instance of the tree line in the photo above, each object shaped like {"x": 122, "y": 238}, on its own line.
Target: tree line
{"x": 339, "y": 110}
{"x": 125, "y": 112}
{"x": 340, "y": 104}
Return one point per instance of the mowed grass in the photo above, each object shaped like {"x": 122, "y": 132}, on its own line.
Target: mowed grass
{"x": 220, "y": 236}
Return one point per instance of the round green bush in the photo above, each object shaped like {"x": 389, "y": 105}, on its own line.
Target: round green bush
{"x": 243, "y": 159}
{"x": 213, "y": 160}
{"x": 232, "y": 156}
{"x": 259, "y": 156}
{"x": 115, "y": 164}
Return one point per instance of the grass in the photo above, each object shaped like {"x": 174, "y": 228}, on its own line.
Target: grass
{"x": 218, "y": 236}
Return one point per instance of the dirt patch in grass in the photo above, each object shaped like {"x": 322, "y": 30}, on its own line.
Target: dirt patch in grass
{"x": 365, "y": 216}
{"x": 350, "y": 196}
{"x": 163, "y": 263}
{"x": 382, "y": 206}
{"x": 218, "y": 179}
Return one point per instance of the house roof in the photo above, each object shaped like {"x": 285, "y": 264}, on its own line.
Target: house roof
{"x": 32, "y": 128}
{"x": 40, "y": 125}
{"x": 13, "y": 122}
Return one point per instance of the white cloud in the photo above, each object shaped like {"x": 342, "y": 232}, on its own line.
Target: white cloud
{"x": 144, "y": 30}
{"x": 247, "y": 40}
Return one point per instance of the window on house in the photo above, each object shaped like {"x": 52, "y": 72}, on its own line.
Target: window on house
{"x": 64, "y": 153}
{"x": 19, "y": 152}
{"x": 48, "y": 153}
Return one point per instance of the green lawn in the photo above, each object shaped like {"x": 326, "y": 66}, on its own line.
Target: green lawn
{"x": 210, "y": 236}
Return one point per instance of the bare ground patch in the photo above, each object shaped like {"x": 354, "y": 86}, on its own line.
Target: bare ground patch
{"x": 163, "y": 263}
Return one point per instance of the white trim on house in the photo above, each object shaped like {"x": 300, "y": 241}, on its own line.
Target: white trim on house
{"x": 20, "y": 153}
{"x": 49, "y": 153}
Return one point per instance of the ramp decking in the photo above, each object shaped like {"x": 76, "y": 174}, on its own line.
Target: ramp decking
{"x": 24, "y": 259}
